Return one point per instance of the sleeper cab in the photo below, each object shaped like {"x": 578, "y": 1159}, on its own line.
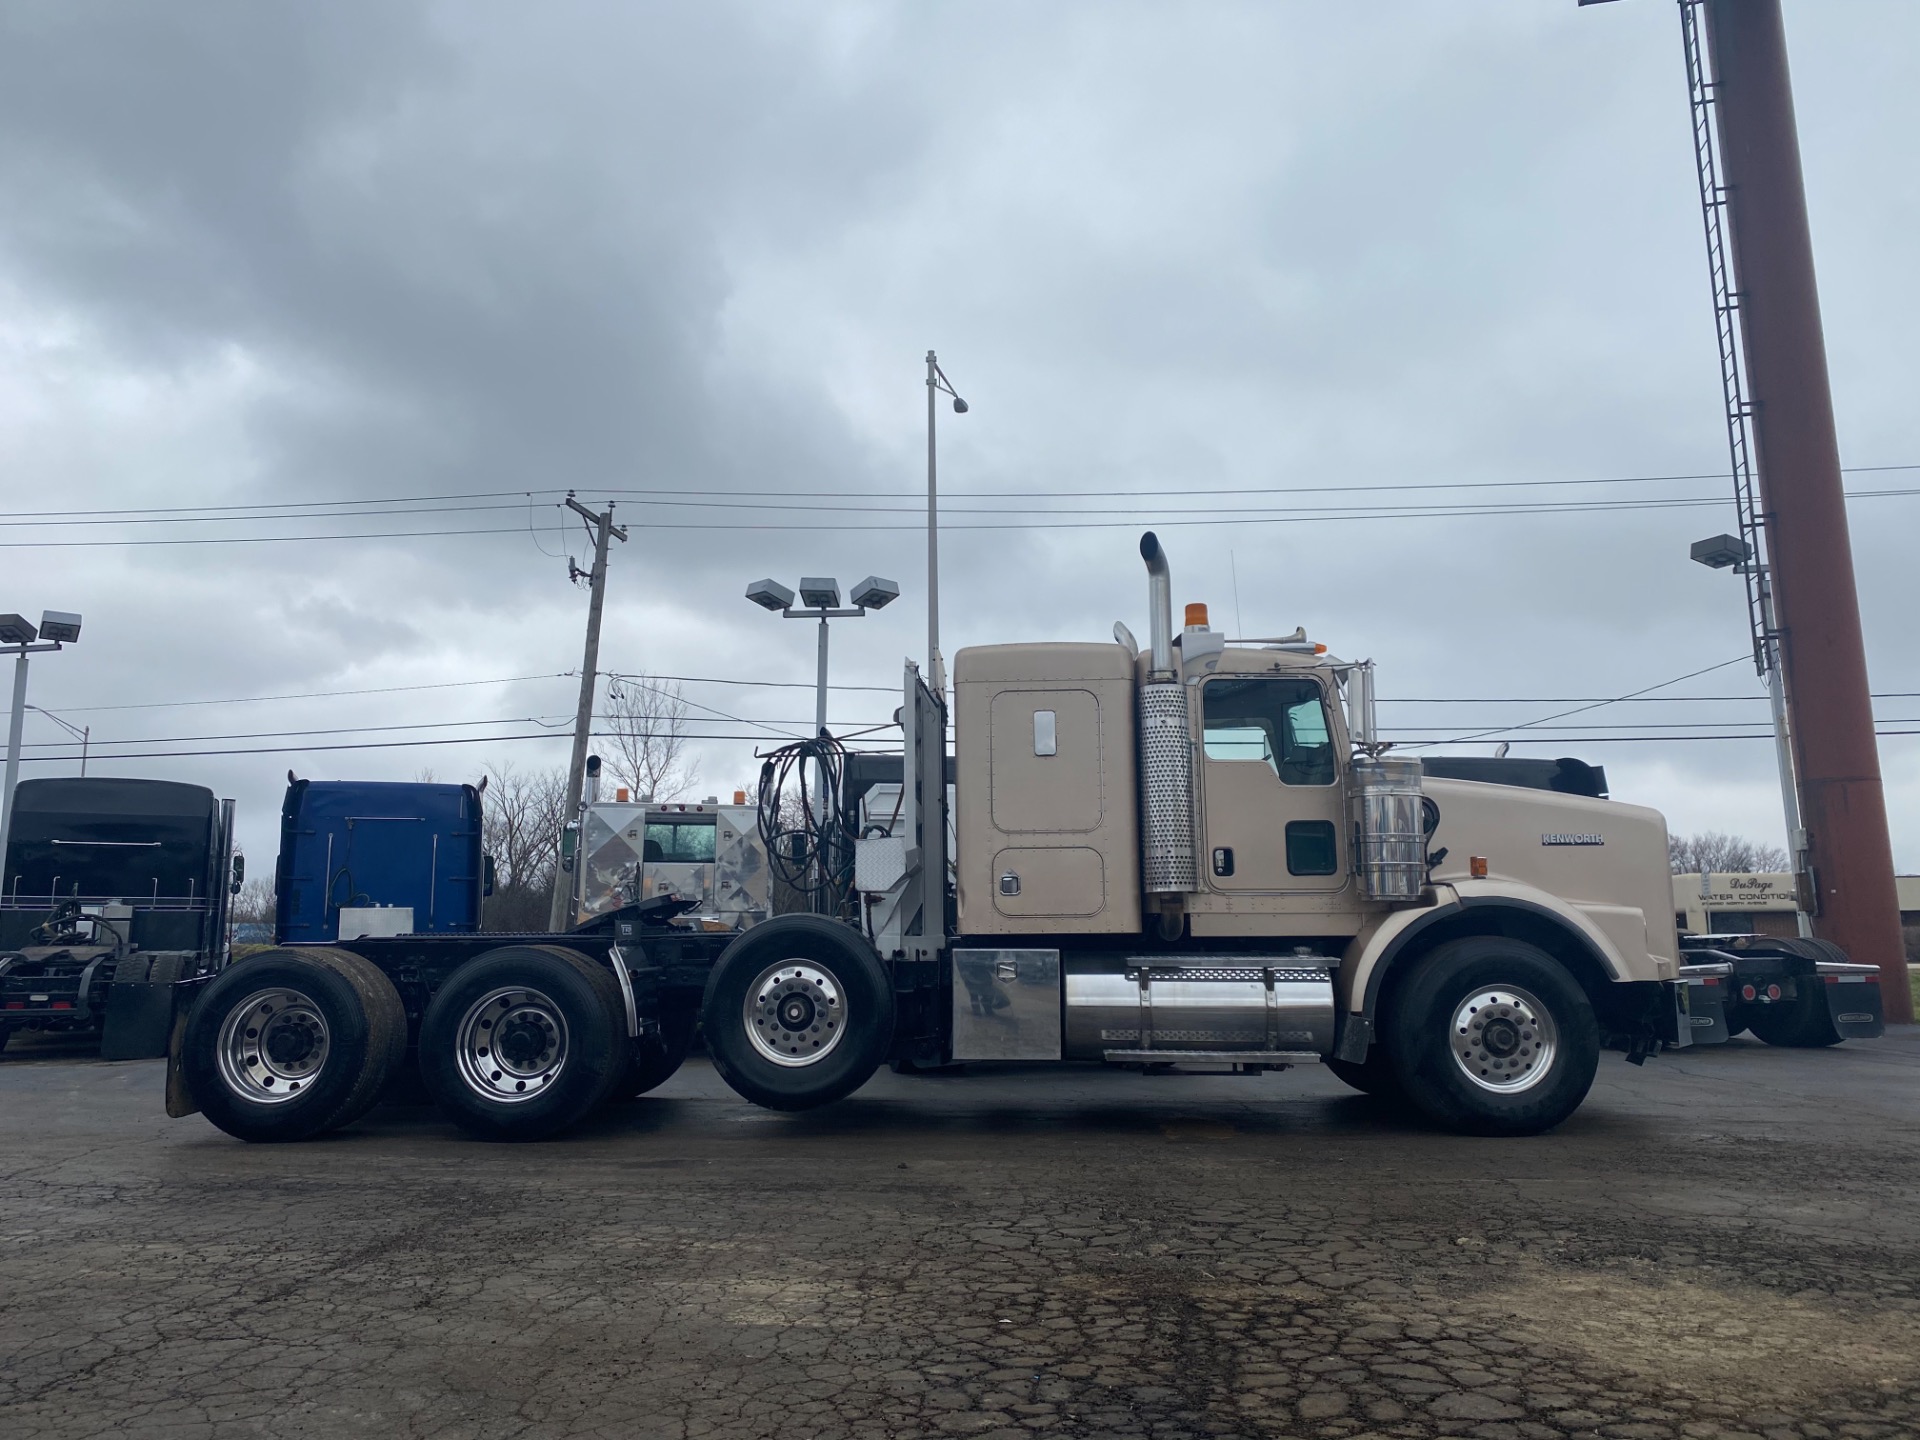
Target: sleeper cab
{"x": 1045, "y": 810}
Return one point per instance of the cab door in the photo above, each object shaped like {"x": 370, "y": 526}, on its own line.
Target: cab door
{"x": 1271, "y": 792}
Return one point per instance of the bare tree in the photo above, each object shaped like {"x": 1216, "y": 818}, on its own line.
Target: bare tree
{"x": 523, "y": 813}
{"x": 646, "y": 727}
{"x": 254, "y": 904}
{"x": 1711, "y": 852}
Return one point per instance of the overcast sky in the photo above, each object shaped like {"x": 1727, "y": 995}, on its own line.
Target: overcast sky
{"x": 316, "y": 255}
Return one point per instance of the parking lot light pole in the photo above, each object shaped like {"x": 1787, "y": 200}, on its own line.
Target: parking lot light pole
{"x": 21, "y": 638}
{"x": 820, "y": 600}
{"x": 1729, "y": 552}
{"x": 937, "y": 384}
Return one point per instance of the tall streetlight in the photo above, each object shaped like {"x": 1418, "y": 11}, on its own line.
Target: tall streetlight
{"x": 1730, "y": 552}
{"x": 937, "y": 384}
{"x": 79, "y": 732}
{"x": 820, "y": 600}
{"x": 21, "y": 638}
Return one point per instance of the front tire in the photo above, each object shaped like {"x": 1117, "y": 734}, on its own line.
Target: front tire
{"x": 1372, "y": 1076}
{"x": 1492, "y": 1036}
{"x": 798, "y": 1013}
{"x": 289, "y": 1044}
{"x": 522, "y": 1042}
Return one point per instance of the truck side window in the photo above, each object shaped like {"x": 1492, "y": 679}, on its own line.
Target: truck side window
{"x": 1279, "y": 721}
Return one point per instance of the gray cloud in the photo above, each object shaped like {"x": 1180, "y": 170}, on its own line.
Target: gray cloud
{"x": 268, "y": 253}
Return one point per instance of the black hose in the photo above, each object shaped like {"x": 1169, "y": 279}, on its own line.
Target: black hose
{"x": 808, "y": 836}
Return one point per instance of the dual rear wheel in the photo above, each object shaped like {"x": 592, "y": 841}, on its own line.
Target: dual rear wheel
{"x": 524, "y": 1041}
{"x": 518, "y": 1044}
{"x": 289, "y": 1044}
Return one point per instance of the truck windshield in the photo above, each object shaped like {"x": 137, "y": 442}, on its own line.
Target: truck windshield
{"x": 1280, "y": 722}
{"x": 682, "y": 842}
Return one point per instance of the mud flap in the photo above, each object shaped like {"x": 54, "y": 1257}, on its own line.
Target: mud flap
{"x": 139, "y": 1017}
{"x": 1704, "y": 1012}
{"x": 1853, "y": 999}
{"x": 180, "y": 1101}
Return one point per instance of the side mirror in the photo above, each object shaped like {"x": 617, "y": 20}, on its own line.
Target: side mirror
{"x": 239, "y": 874}
{"x": 486, "y": 876}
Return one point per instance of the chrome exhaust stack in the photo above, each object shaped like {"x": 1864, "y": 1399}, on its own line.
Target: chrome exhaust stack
{"x": 1159, "y": 607}
{"x": 1166, "y": 747}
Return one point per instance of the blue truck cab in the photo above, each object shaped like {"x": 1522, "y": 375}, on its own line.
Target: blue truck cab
{"x": 354, "y": 844}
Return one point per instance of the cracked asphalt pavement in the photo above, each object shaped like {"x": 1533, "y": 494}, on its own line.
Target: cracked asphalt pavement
{"x": 1722, "y": 1243}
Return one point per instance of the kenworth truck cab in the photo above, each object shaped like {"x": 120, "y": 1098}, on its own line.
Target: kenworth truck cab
{"x": 1196, "y": 855}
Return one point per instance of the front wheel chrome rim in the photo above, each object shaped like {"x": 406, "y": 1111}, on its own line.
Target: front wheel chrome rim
{"x": 1503, "y": 1039}
{"x": 272, "y": 1045}
{"x": 795, "y": 1013}
{"x": 512, "y": 1044}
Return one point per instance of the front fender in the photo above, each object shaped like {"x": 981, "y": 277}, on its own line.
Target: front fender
{"x": 1468, "y": 907}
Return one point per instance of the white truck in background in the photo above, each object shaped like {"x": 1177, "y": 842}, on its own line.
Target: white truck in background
{"x": 629, "y": 852}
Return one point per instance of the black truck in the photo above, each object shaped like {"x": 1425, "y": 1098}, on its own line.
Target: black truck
{"x": 113, "y": 893}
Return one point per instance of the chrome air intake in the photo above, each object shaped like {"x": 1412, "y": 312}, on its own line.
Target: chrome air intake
{"x": 1390, "y": 841}
{"x": 1166, "y": 747}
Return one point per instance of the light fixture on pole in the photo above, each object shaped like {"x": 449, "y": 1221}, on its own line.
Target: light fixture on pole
{"x": 1730, "y": 552}
{"x": 57, "y": 628}
{"x": 820, "y": 600}
{"x": 937, "y": 384}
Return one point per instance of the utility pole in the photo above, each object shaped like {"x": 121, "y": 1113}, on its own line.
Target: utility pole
{"x": 559, "y": 917}
{"x": 1844, "y": 856}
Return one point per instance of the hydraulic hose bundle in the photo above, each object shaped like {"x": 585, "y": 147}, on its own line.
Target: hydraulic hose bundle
{"x": 807, "y": 834}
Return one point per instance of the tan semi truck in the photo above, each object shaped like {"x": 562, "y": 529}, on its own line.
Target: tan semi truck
{"x": 1194, "y": 856}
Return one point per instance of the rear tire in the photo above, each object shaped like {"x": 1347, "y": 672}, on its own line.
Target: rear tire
{"x": 1806, "y": 1021}
{"x": 289, "y": 1044}
{"x": 522, "y": 1042}
{"x": 653, "y": 1061}
{"x": 1491, "y": 1036}
{"x": 1802, "y": 1023}
{"x": 798, "y": 1013}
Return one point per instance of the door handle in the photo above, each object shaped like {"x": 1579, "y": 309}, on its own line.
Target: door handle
{"x": 1006, "y": 970}
{"x": 1223, "y": 860}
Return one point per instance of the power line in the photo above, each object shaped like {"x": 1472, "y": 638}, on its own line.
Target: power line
{"x": 768, "y": 684}
{"x": 359, "y": 745}
{"x": 1291, "y": 516}
{"x": 1648, "y": 739}
{"x": 599, "y": 735}
{"x": 100, "y": 746}
{"x": 1595, "y": 705}
{"x": 554, "y": 721}
{"x": 1101, "y": 494}
{"x": 1585, "y": 699}
{"x": 319, "y": 694}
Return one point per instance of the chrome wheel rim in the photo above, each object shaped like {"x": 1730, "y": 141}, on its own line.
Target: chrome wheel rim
{"x": 511, "y": 1045}
{"x": 1503, "y": 1039}
{"x": 795, "y": 1013}
{"x": 272, "y": 1045}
